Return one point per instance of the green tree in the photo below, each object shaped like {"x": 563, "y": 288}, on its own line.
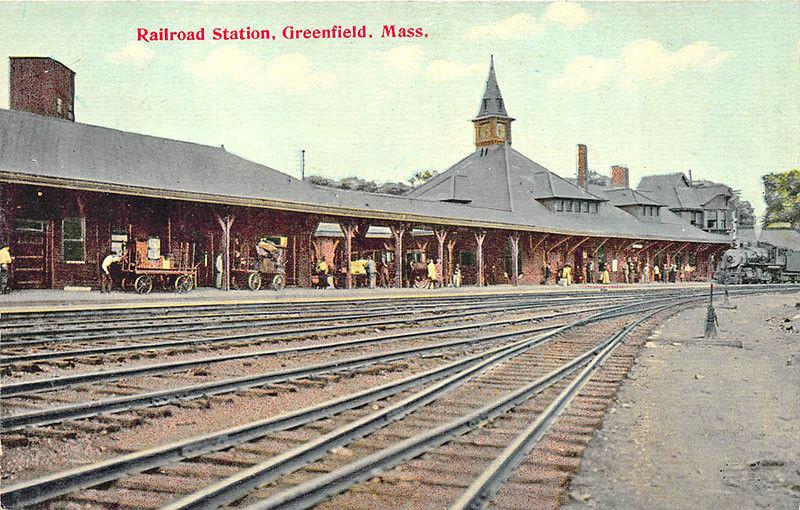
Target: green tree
{"x": 421, "y": 176}
{"x": 358, "y": 184}
{"x": 782, "y": 196}
{"x": 745, "y": 214}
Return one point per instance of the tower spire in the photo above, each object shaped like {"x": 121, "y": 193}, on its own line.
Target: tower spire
{"x": 492, "y": 124}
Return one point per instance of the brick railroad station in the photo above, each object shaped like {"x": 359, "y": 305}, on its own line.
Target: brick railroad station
{"x": 73, "y": 192}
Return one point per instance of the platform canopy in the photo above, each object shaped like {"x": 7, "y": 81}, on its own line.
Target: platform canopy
{"x": 329, "y": 230}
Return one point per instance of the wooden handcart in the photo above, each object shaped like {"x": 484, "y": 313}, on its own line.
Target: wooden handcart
{"x": 142, "y": 272}
{"x": 269, "y": 266}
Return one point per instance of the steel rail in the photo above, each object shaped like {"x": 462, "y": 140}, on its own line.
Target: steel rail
{"x": 411, "y": 317}
{"x": 484, "y": 488}
{"x": 249, "y": 318}
{"x": 162, "y": 397}
{"x": 85, "y": 409}
{"x": 51, "y": 326}
{"x": 15, "y": 389}
{"x": 161, "y": 310}
{"x": 29, "y": 492}
{"x": 315, "y": 490}
{"x": 44, "y": 356}
{"x": 234, "y": 487}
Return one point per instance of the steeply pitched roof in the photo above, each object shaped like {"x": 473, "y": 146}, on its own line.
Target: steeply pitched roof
{"x": 676, "y": 192}
{"x": 621, "y": 197}
{"x": 492, "y": 102}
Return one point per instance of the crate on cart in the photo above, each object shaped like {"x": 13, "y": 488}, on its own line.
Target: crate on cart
{"x": 269, "y": 265}
{"x": 146, "y": 268}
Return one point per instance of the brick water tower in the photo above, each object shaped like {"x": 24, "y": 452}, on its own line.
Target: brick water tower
{"x": 42, "y": 85}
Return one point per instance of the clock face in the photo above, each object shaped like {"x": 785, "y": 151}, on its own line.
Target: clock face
{"x": 483, "y": 130}
{"x": 501, "y": 130}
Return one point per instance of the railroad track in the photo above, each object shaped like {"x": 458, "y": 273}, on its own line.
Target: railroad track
{"x": 184, "y": 393}
{"x": 11, "y": 356}
{"x": 294, "y": 475}
{"x": 490, "y": 357}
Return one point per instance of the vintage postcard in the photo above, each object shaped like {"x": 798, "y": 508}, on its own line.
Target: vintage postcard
{"x": 400, "y": 255}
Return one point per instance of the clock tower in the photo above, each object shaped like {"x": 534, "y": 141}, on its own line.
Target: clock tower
{"x": 492, "y": 124}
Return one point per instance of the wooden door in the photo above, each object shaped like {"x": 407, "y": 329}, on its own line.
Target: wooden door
{"x": 29, "y": 249}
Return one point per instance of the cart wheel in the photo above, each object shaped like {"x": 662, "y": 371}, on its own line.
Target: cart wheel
{"x": 254, "y": 281}
{"x": 278, "y": 282}
{"x": 143, "y": 284}
{"x": 188, "y": 283}
{"x": 184, "y": 283}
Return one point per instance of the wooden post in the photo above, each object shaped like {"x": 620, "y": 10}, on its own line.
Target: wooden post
{"x": 514, "y": 239}
{"x": 349, "y": 231}
{"x": 451, "y": 246}
{"x": 397, "y": 232}
{"x": 226, "y": 223}
{"x": 441, "y": 236}
{"x": 479, "y": 237}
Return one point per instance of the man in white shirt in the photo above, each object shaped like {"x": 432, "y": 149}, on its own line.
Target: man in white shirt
{"x": 106, "y": 282}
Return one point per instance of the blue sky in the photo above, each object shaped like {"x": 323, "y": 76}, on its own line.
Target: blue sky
{"x": 659, "y": 87}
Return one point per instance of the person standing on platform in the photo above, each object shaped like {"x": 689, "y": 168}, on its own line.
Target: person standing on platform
{"x": 218, "y": 267}
{"x": 457, "y": 276}
{"x": 626, "y": 271}
{"x": 656, "y": 273}
{"x": 371, "y": 271}
{"x": 432, "y": 277}
{"x": 106, "y": 281}
{"x": 567, "y": 275}
{"x": 646, "y": 273}
{"x": 590, "y": 271}
{"x": 5, "y": 268}
{"x": 605, "y": 278}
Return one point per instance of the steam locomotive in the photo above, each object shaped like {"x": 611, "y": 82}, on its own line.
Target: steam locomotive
{"x": 758, "y": 264}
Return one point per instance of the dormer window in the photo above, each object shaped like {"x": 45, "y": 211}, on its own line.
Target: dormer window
{"x": 573, "y": 206}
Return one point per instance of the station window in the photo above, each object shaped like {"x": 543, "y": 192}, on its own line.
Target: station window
{"x": 73, "y": 240}
{"x": 59, "y": 105}
{"x": 467, "y": 258}
{"x": 25, "y": 225}
{"x": 559, "y": 205}
{"x": 585, "y": 206}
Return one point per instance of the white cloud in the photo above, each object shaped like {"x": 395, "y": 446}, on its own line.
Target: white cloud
{"x": 290, "y": 72}
{"x": 644, "y": 62}
{"x": 134, "y": 53}
{"x": 648, "y": 61}
{"x": 293, "y": 72}
{"x": 514, "y": 27}
{"x": 446, "y": 70}
{"x": 569, "y": 14}
{"x": 405, "y": 58}
{"x": 521, "y": 26}
{"x": 585, "y": 73}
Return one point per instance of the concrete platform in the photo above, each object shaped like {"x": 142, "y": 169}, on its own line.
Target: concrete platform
{"x": 65, "y": 300}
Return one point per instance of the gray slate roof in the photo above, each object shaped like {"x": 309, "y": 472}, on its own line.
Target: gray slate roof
{"x": 492, "y": 101}
{"x": 621, "y": 197}
{"x": 785, "y": 238}
{"x": 676, "y": 192}
{"x": 34, "y": 148}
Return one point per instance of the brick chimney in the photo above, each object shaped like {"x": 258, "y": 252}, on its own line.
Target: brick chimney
{"x": 42, "y": 85}
{"x": 583, "y": 165}
{"x": 619, "y": 177}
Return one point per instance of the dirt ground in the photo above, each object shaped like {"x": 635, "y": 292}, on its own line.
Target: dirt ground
{"x": 705, "y": 424}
